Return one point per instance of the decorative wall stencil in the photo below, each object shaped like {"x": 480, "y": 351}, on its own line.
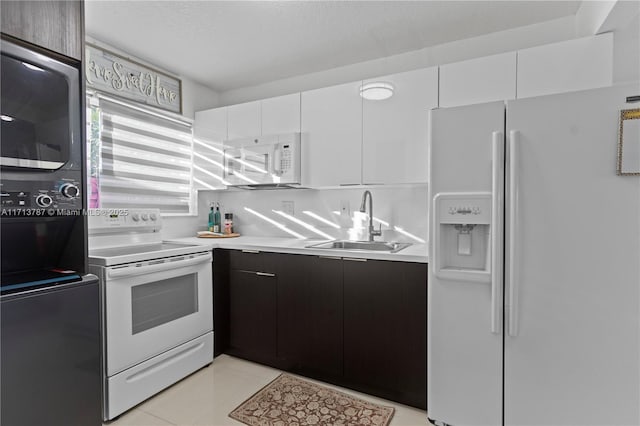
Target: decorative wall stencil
{"x": 289, "y": 400}
{"x": 112, "y": 73}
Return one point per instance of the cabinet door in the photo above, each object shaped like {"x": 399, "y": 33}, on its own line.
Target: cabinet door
{"x": 394, "y": 147}
{"x": 487, "y": 79}
{"x": 385, "y": 337}
{"x": 243, "y": 120}
{"x": 252, "y": 316}
{"x": 310, "y": 315}
{"x": 332, "y": 136}
{"x": 209, "y": 131}
{"x": 54, "y": 25}
{"x": 580, "y": 64}
{"x": 281, "y": 114}
{"x": 220, "y": 301}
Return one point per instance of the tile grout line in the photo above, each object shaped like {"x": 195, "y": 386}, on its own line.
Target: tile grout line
{"x": 157, "y": 417}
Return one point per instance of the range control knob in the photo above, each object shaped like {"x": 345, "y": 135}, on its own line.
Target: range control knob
{"x": 135, "y": 217}
{"x": 69, "y": 190}
{"x": 153, "y": 216}
{"x": 43, "y": 200}
{"x": 145, "y": 216}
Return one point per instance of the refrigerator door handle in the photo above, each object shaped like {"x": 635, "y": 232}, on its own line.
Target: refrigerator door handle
{"x": 497, "y": 207}
{"x": 512, "y": 284}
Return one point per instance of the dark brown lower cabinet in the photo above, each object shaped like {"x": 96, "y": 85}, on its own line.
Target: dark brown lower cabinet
{"x": 310, "y": 315}
{"x": 220, "y": 301}
{"x": 385, "y": 329}
{"x": 361, "y": 323}
{"x": 252, "y": 315}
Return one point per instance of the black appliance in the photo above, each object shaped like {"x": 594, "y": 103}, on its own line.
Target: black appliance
{"x": 50, "y": 367}
{"x": 43, "y": 238}
{"x": 50, "y": 337}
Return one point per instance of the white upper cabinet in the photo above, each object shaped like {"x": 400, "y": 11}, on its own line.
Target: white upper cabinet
{"x": 332, "y": 136}
{"x": 209, "y": 133}
{"x": 211, "y": 124}
{"x": 281, "y": 114}
{"x": 244, "y": 120}
{"x": 487, "y": 79}
{"x": 395, "y": 145}
{"x": 579, "y": 64}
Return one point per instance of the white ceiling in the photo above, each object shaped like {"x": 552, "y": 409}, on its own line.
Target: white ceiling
{"x": 230, "y": 44}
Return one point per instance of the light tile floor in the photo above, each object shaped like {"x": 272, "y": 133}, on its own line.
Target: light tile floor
{"x": 207, "y": 397}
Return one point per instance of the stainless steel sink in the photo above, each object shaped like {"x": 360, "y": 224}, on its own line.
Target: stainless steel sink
{"x": 361, "y": 246}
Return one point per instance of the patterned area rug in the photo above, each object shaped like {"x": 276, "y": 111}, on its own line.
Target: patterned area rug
{"x": 290, "y": 401}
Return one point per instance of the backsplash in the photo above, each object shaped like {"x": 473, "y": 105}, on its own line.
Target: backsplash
{"x": 317, "y": 214}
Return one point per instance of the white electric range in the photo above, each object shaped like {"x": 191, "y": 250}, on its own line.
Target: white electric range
{"x": 157, "y": 305}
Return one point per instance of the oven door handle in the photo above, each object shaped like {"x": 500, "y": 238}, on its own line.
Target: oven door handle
{"x": 168, "y": 264}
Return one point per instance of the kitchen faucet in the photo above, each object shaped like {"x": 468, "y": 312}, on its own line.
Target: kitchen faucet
{"x": 372, "y": 231}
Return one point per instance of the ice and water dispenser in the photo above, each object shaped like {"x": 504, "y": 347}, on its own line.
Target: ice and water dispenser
{"x": 462, "y": 236}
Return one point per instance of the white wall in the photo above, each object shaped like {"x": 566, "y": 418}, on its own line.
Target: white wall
{"x": 626, "y": 52}
{"x": 196, "y": 97}
{"x": 403, "y": 206}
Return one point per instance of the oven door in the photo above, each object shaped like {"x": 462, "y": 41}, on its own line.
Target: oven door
{"x": 154, "y": 306}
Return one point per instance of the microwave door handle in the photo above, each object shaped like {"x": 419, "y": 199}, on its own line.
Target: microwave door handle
{"x": 277, "y": 160}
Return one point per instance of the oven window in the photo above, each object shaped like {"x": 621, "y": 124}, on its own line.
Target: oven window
{"x": 35, "y": 112}
{"x": 160, "y": 302}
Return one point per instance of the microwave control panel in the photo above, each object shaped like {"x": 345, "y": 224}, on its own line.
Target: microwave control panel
{"x": 285, "y": 161}
{"x": 27, "y": 197}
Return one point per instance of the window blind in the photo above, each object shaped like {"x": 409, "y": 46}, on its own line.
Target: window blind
{"x": 145, "y": 159}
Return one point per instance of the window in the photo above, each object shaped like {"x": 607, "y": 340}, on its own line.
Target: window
{"x": 138, "y": 158}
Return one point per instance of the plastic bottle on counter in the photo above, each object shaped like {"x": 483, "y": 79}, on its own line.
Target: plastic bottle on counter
{"x": 228, "y": 223}
{"x": 217, "y": 221}
{"x": 210, "y": 226}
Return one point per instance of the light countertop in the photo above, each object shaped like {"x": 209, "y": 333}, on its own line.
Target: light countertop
{"x": 414, "y": 253}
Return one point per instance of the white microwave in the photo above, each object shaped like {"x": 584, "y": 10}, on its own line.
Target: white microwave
{"x": 265, "y": 161}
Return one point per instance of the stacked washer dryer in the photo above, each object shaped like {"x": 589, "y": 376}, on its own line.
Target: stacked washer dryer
{"x": 50, "y": 311}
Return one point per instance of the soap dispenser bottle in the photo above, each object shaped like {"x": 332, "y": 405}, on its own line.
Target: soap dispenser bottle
{"x": 210, "y": 225}
{"x": 216, "y": 218}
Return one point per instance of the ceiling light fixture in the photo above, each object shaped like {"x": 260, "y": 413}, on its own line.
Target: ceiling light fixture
{"x": 376, "y": 91}
{"x": 6, "y": 117}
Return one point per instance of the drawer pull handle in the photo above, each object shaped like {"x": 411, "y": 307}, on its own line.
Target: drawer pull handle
{"x": 265, "y": 274}
{"x": 330, "y": 257}
{"x": 355, "y": 259}
{"x": 251, "y": 251}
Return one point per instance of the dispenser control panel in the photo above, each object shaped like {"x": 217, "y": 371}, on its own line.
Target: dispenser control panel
{"x": 466, "y": 210}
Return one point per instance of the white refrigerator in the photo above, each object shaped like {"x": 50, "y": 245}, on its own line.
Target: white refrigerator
{"x": 534, "y": 275}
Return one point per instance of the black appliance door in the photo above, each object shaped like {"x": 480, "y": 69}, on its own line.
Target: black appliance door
{"x": 39, "y": 251}
{"x": 39, "y": 108}
{"x": 51, "y": 357}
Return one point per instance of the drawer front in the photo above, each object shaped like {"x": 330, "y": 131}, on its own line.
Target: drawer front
{"x": 246, "y": 260}
{"x": 132, "y": 386}
{"x": 253, "y": 260}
